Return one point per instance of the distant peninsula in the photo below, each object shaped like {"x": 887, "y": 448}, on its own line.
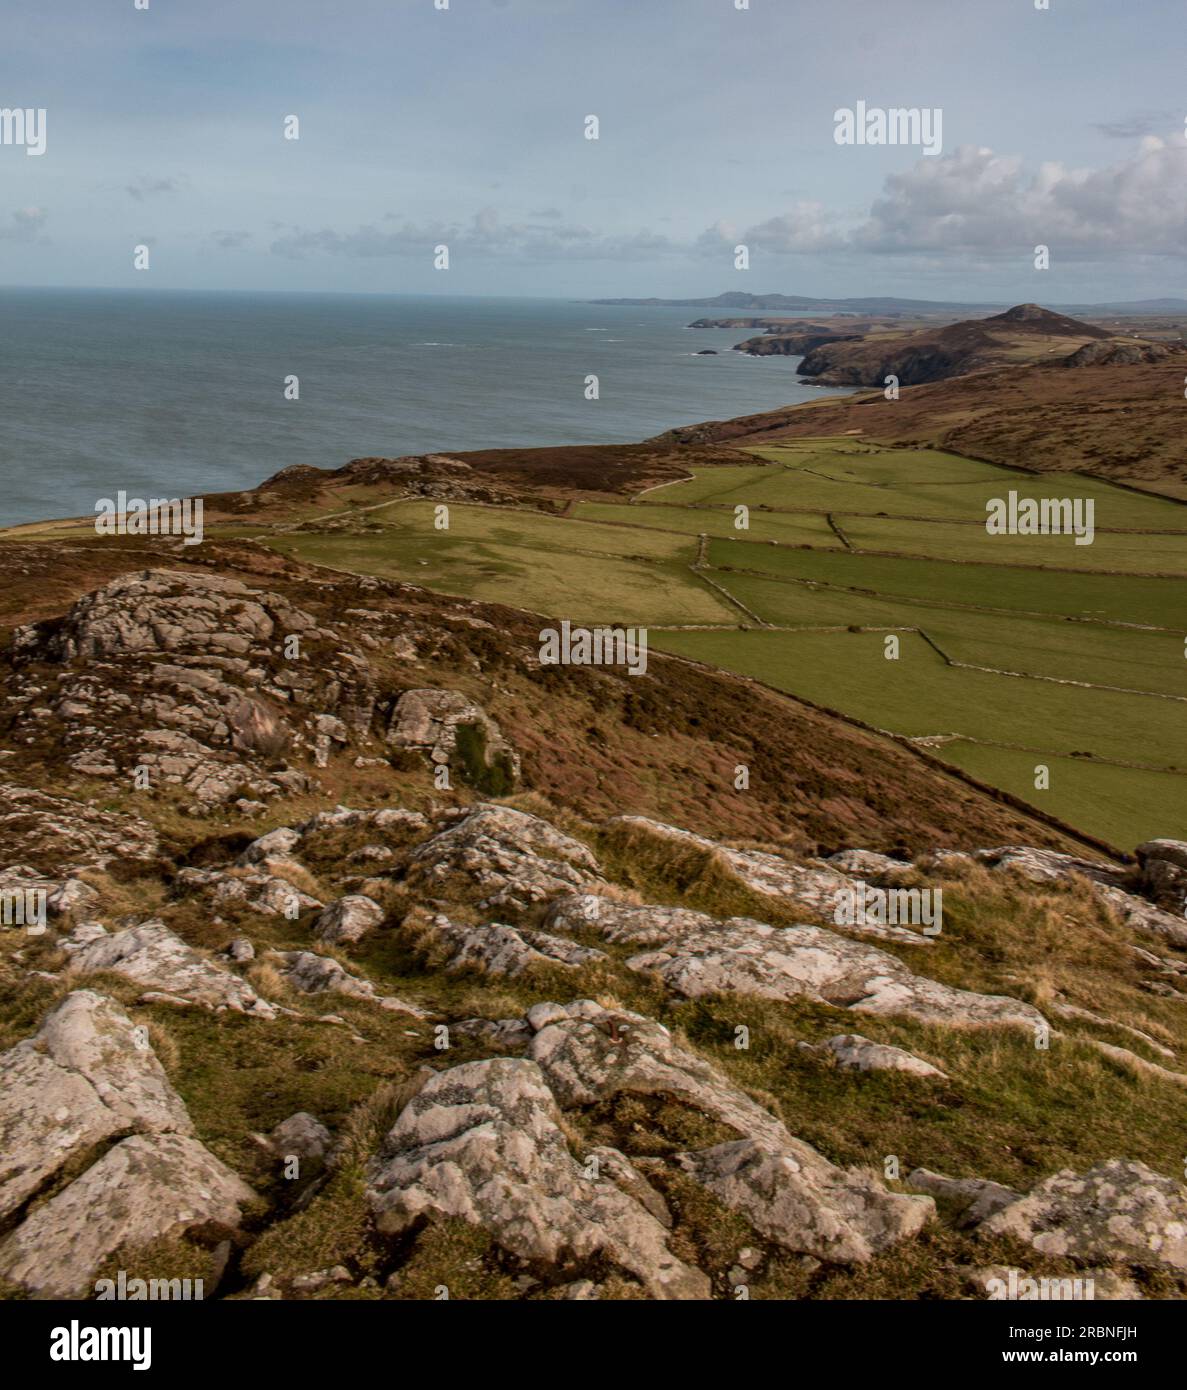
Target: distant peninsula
{"x": 735, "y": 299}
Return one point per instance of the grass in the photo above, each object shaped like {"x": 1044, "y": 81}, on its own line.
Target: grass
{"x": 919, "y": 558}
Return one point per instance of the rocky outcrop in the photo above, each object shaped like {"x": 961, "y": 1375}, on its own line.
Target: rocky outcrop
{"x": 193, "y": 680}
{"x": 783, "y": 1186}
{"x": 160, "y": 961}
{"x": 698, "y": 955}
{"x": 497, "y": 949}
{"x": 452, "y": 730}
{"x": 484, "y": 1143}
{"x": 313, "y": 974}
{"x": 816, "y": 888}
{"x": 147, "y": 1188}
{"x": 507, "y": 858}
{"x": 57, "y": 834}
{"x": 1164, "y": 873}
{"x": 88, "y": 1077}
{"x": 1116, "y": 1213}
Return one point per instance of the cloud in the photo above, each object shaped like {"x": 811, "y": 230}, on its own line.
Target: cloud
{"x": 150, "y": 188}
{"x": 1131, "y": 127}
{"x": 228, "y": 240}
{"x": 485, "y": 235}
{"x": 808, "y": 229}
{"x": 976, "y": 201}
{"x": 27, "y": 225}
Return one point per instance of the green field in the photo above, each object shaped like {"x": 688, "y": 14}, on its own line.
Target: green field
{"x": 1078, "y": 650}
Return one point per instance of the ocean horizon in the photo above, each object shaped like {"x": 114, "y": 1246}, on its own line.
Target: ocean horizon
{"x": 173, "y": 392}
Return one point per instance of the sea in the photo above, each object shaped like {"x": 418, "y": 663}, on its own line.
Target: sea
{"x": 170, "y": 394}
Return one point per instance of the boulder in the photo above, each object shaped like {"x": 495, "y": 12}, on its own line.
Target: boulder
{"x": 484, "y": 1143}
{"x": 146, "y": 1188}
{"x": 347, "y": 919}
{"x": 852, "y": 1052}
{"x": 153, "y": 956}
{"x": 974, "y": 1199}
{"x": 1118, "y": 1212}
{"x": 314, "y": 974}
{"x": 510, "y": 858}
{"x": 87, "y": 1075}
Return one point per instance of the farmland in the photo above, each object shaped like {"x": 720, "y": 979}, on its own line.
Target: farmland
{"x": 862, "y": 578}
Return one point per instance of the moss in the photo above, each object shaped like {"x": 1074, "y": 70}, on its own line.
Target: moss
{"x": 490, "y": 775}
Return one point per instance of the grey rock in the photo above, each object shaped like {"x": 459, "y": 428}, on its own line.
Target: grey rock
{"x": 1118, "y": 1212}
{"x": 974, "y": 1199}
{"x": 855, "y": 1053}
{"x": 512, "y": 858}
{"x": 347, "y": 919}
{"x": 147, "y": 1187}
{"x": 158, "y": 959}
{"x": 87, "y": 1075}
{"x": 484, "y": 1143}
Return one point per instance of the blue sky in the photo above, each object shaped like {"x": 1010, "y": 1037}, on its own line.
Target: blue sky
{"x": 418, "y": 126}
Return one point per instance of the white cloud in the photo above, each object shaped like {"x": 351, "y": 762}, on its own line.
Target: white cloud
{"x": 976, "y": 201}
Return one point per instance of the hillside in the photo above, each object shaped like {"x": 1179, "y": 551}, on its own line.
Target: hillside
{"x": 304, "y": 1000}
{"x": 1113, "y": 419}
{"x": 1022, "y": 334}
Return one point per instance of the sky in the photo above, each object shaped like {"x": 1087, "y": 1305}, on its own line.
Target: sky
{"x": 466, "y": 126}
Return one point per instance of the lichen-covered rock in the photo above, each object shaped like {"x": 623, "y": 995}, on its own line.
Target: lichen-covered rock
{"x": 252, "y": 886}
{"x": 484, "y": 1143}
{"x": 430, "y": 720}
{"x": 866, "y": 864}
{"x": 1047, "y": 865}
{"x": 511, "y": 859}
{"x": 48, "y": 831}
{"x": 819, "y": 888}
{"x": 347, "y": 919}
{"x": 1118, "y": 1212}
{"x": 87, "y": 1075}
{"x": 782, "y": 1185}
{"x": 973, "y": 1200}
{"x": 802, "y": 1202}
{"x": 314, "y": 974}
{"x": 852, "y": 1052}
{"x": 744, "y": 957}
{"x": 146, "y": 1188}
{"x": 158, "y": 959}
{"x": 497, "y": 949}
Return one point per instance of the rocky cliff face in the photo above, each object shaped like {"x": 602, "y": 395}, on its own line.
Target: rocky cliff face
{"x": 392, "y": 1038}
